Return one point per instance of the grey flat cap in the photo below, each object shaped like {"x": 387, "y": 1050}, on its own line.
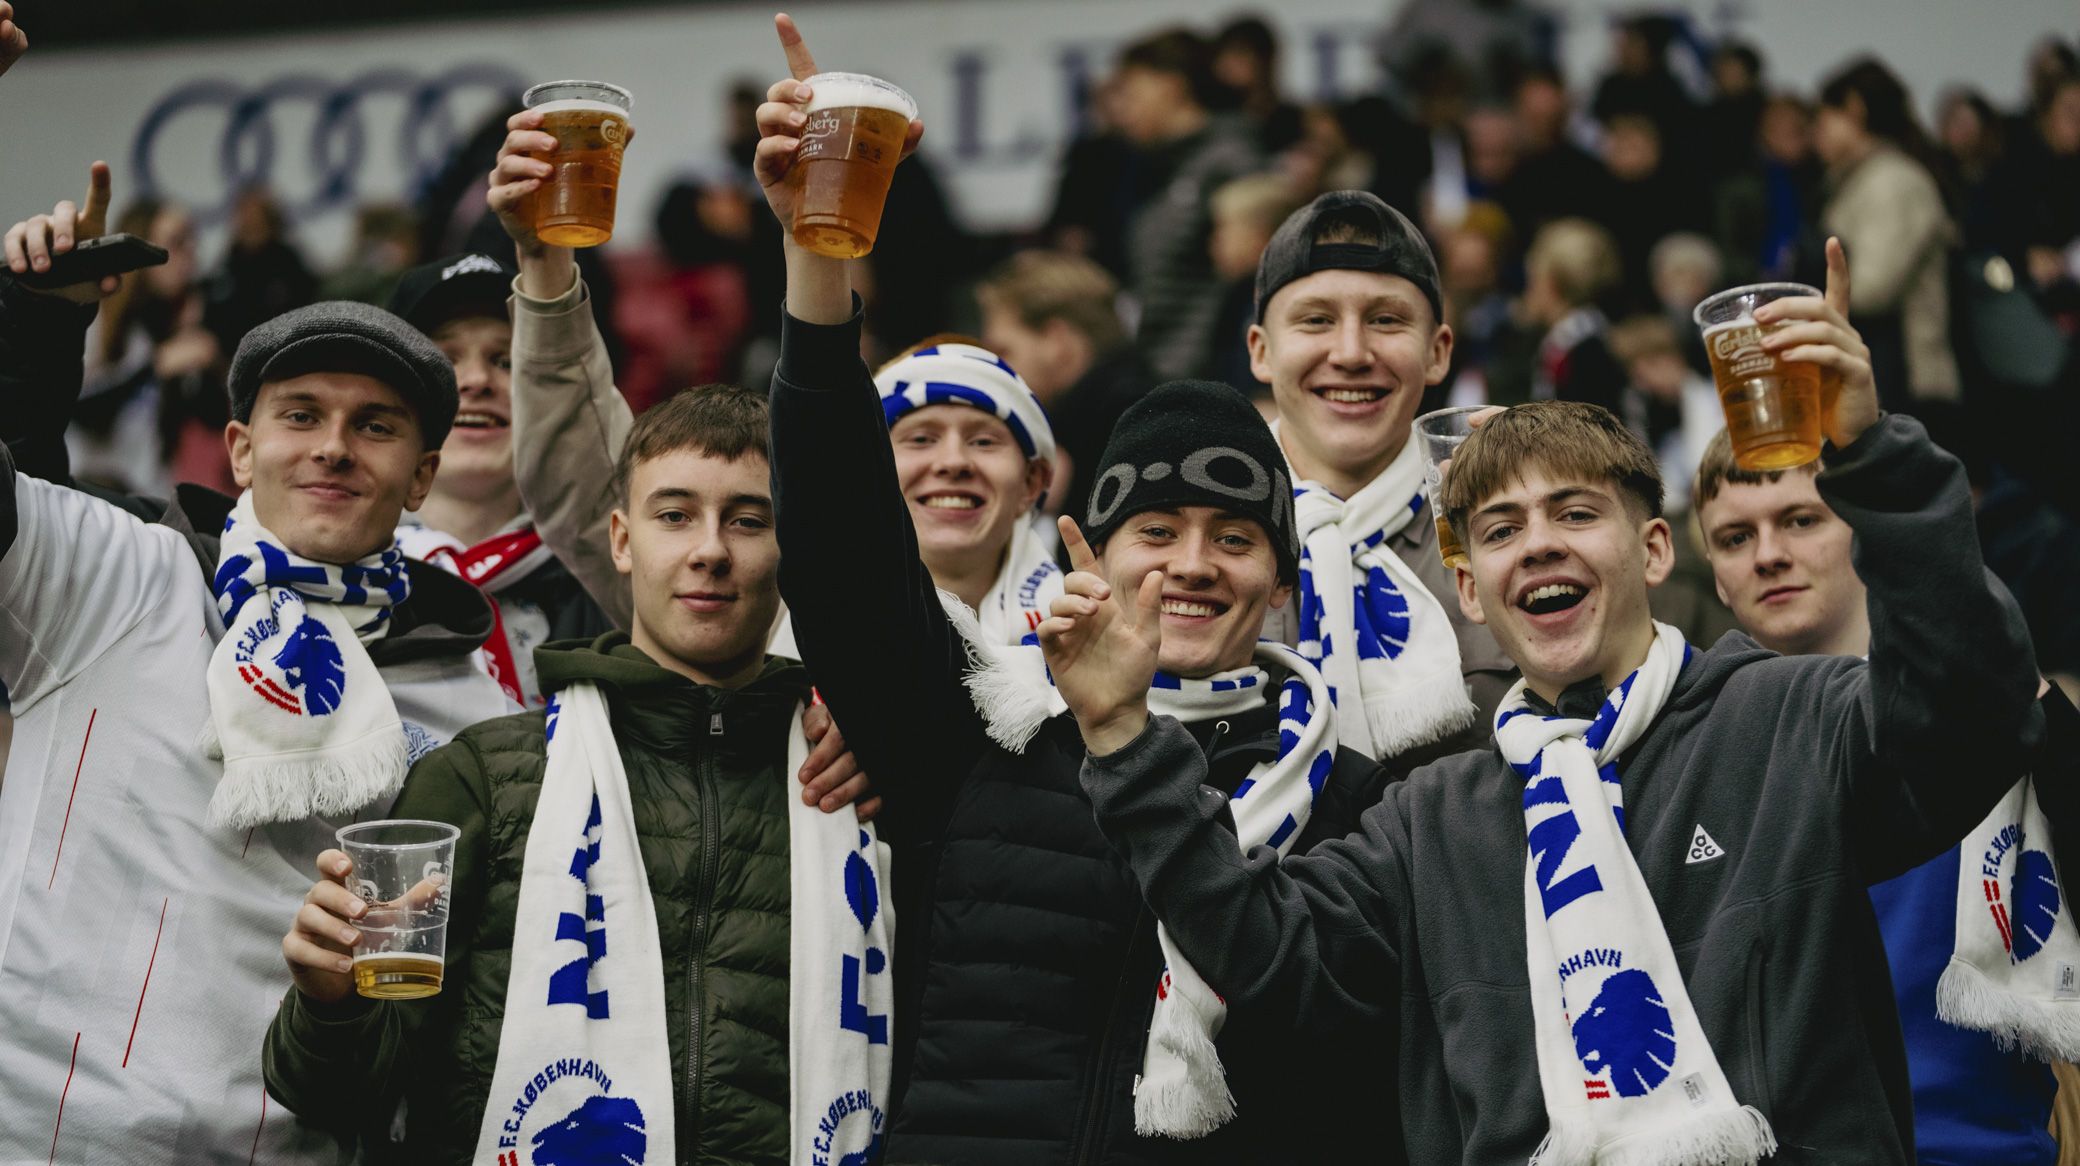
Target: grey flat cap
{"x": 343, "y": 336}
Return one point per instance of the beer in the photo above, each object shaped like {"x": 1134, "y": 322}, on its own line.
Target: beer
{"x": 574, "y": 206}
{"x": 1773, "y": 406}
{"x": 850, "y": 147}
{"x": 397, "y": 975}
{"x": 1448, "y": 547}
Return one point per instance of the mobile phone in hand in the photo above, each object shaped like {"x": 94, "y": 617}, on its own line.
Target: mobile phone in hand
{"x": 93, "y": 260}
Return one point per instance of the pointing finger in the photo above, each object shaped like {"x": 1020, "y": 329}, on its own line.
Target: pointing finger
{"x": 93, "y": 216}
{"x": 1080, "y": 556}
{"x": 799, "y": 62}
{"x": 1837, "y": 277}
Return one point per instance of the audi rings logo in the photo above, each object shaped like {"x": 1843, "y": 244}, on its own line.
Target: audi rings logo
{"x": 331, "y": 131}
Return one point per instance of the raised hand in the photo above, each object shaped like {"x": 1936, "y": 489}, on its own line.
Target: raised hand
{"x": 780, "y": 122}
{"x": 545, "y": 271}
{"x": 31, "y": 244}
{"x": 1818, "y": 330}
{"x": 1102, "y": 647}
{"x": 13, "y": 41}
{"x": 320, "y": 944}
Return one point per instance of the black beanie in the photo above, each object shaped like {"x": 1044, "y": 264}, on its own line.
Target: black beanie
{"x": 1195, "y": 443}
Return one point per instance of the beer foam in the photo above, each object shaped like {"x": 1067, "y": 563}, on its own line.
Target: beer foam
{"x": 857, "y": 91}
{"x": 587, "y": 105}
{"x": 1744, "y": 320}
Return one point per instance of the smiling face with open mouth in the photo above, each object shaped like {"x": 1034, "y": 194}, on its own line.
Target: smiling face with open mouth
{"x": 1348, "y": 354}
{"x": 967, "y": 481}
{"x": 1560, "y": 574}
{"x": 1220, "y": 575}
{"x": 477, "y": 458}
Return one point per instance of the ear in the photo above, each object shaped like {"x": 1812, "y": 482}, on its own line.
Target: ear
{"x": 1039, "y": 479}
{"x": 422, "y": 479}
{"x": 238, "y": 443}
{"x": 617, "y": 541}
{"x": 1440, "y": 355}
{"x": 1661, "y": 551}
{"x": 1469, "y": 597}
{"x": 1259, "y": 342}
{"x": 1280, "y": 594}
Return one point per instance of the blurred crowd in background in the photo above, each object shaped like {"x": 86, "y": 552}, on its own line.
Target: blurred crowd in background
{"x": 1576, "y": 221}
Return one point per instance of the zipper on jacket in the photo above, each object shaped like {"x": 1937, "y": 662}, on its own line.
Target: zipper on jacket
{"x": 1090, "y": 1146}
{"x": 697, "y": 959}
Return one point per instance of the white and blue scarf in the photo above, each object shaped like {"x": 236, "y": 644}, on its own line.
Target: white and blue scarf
{"x": 1627, "y": 1074}
{"x": 1380, "y": 638}
{"x": 2014, "y": 968}
{"x": 584, "y": 1066}
{"x": 1182, "y": 1091}
{"x": 298, "y": 712}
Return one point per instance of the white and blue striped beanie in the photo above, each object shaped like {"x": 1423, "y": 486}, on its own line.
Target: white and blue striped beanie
{"x": 966, "y": 374}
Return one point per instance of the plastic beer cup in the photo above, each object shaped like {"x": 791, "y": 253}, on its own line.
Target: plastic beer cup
{"x": 403, "y": 870}
{"x": 850, "y": 147}
{"x": 1440, "y": 435}
{"x": 1772, "y": 406}
{"x": 590, "y": 121}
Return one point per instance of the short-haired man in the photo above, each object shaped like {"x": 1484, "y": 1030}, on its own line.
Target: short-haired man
{"x": 1047, "y": 1028}
{"x": 1349, "y": 332}
{"x": 473, "y": 521}
{"x": 712, "y": 918}
{"x": 1639, "y": 920}
{"x": 285, "y": 627}
{"x": 1783, "y": 562}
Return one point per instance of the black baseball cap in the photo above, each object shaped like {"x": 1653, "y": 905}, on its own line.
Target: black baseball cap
{"x": 1401, "y": 249}
{"x": 469, "y": 284}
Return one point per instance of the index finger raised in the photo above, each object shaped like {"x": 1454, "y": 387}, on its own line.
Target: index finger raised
{"x": 799, "y": 61}
{"x": 1081, "y": 557}
{"x": 1837, "y": 277}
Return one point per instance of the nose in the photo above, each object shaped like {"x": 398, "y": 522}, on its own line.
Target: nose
{"x": 333, "y": 447}
{"x": 950, "y": 457}
{"x": 1542, "y": 541}
{"x": 1191, "y": 562}
{"x": 473, "y": 376}
{"x": 1772, "y": 551}
{"x": 1350, "y": 350}
{"x": 709, "y": 550}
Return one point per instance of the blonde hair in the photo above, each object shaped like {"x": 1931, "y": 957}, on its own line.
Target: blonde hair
{"x": 1579, "y": 257}
{"x": 1265, "y": 200}
{"x": 1040, "y": 286}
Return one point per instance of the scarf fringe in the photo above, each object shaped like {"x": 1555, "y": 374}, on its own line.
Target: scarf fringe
{"x": 1722, "y": 1139}
{"x": 1420, "y": 714}
{"x": 1013, "y": 708}
{"x": 2041, "y": 1029}
{"x": 1194, "y": 1103}
{"x": 332, "y": 784}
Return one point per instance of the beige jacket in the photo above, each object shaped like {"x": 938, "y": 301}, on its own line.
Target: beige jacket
{"x": 1890, "y": 216}
{"x": 569, "y": 423}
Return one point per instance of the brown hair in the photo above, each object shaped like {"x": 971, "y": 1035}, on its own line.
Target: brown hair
{"x": 1041, "y": 286}
{"x": 1639, "y": 337}
{"x": 1718, "y": 468}
{"x": 722, "y": 421}
{"x": 1567, "y": 439}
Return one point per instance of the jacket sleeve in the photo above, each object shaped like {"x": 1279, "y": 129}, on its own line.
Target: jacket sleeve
{"x": 42, "y": 365}
{"x": 1944, "y": 719}
{"x": 866, "y": 614}
{"x": 569, "y": 423}
{"x": 334, "y": 1065}
{"x": 1303, "y": 942}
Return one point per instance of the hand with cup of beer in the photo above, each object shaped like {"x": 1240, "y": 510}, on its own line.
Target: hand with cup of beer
{"x": 376, "y": 921}
{"x": 828, "y": 148}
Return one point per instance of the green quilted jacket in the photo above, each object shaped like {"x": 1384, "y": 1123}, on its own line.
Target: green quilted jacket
{"x": 706, "y": 776}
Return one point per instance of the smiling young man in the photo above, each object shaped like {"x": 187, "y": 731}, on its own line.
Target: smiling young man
{"x": 1047, "y": 1028}
{"x": 1783, "y": 562}
{"x": 1349, "y": 332}
{"x": 718, "y": 958}
{"x": 473, "y": 521}
{"x": 282, "y": 628}
{"x": 973, "y": 444}
{"x": 1637, "y": 925}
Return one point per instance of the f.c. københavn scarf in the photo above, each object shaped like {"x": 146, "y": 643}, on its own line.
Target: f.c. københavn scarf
{"x": 2014, "y": 968}
{"x": 1627, "y": 1074}
{"x": 298, "y": 712}
{"x": 583, "y": 1070}
{"x": 1381, "y": 640}
{"x": 1183, "y": 1091}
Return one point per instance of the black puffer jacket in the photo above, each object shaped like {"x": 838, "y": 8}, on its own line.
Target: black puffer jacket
{"x": 1039, "y": 958}
{"x": 711, "y": 813}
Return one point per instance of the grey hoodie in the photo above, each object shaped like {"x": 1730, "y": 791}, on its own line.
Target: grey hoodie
{"x": 1816, "y": 776}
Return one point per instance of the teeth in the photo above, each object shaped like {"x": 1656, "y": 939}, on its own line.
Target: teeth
{"x": 952, "y": 502}
{"x": 1352, "y": 396}
{"x": 1181, "y": 607}
{"x": 1552, "y": 591}
{"x": 477, "y": 420}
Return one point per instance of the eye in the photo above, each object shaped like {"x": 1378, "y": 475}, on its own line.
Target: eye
{"x": 917, "y": 439}
{"x": 379, "y": 428}
{"x": 1156, "y": 530}
{"x": 1236, "y": 541}
{"x": 984, "y": 441}
{"x": 1387, "y": 320}
{"x": 1802, "y": 521}
{"x": 1732, "y": 539}
{"x": 1577, "y": 515}
{"x": 503, "y": 362}
{"x": 1315, "y": 320}
{"x": 300, "y": 417}
{"x": 1498, "y": 532}
{"x": 751, "y": 522}
{"x": 674, "y": 517}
